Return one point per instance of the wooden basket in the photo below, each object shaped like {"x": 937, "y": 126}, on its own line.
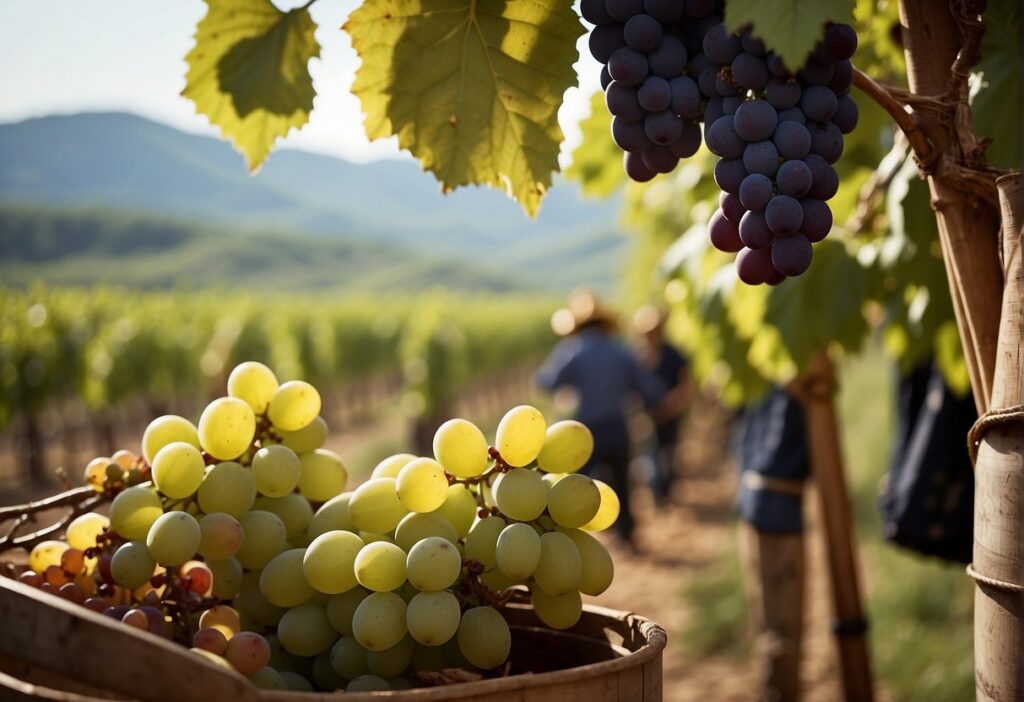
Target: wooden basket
{"x": 56, "y": 650}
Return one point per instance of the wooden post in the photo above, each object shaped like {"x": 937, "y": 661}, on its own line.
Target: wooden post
{"x": 816, "y": 391}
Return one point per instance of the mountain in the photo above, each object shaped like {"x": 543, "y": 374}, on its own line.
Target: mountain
{"x": 117, "y": 161}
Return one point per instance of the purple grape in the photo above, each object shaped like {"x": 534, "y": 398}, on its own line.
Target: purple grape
{"x": 669, "y": 59}
{"x": 721, "y": 46}
{"x": 774, "y": 277}
{"x": 841, "y": 41}
{"x": 685, "y": 96}
{"x": 826, "y": 141}
{"x": 706, "y": 80}
{"x": 729, "y": 173}
{"x": 654, "y": 94}
{"x": 750, "y": 71}
{"x": 622, "y": 10}
{"x": 699, "y": 8}
{"x": 731, "y": 104}
{"x": 723, "y": 233}
{"x": 622, "y": 102}
{"x": 722, "y": 138}
{"x": 665, "y": 11}
{"x": 816, "y": 73}
{"x": 818, "y": 102}
{"x": 784, "y": 214}
{"x": 842, "y": 78}
{"x": 724, "y": 87}
{"x": 825, "y": 185}
{"x": 629, "y": 136}
{"x": 688, "y": 142}
{"x": 731, "y": 206}
{"x": 754, "y": 267}
{"x": 606, "y": 78}
{"x": 595, "y": 12}
{"x": 776, "y": 67}
{"x": 755, "y": 192}
{"x": 846, "y": 114}
{"x": 643, "y": 33}
{"x": 754, "y": 231}
{"x": 792, "y": 140}
{"x": 635, "y": 167}
{"x": 782, "y": 94}
{"x": 755, "y": 120}
{"x": 791, "y": 254}
{"x": 752, "y": 45}
{"x": 817, "y": 219}
{"x": 794, "y": 178}
{"x": 605, "y": 41}
{"x": 699, "y": 61}
{"x": 663, "y": 127}
{"x": 761, "y": 157}
{"x": 660, "y": 159}
{"x": 628, "y": 66}
{"x": 793, "y": 114}
{"x": 712, "y": 111}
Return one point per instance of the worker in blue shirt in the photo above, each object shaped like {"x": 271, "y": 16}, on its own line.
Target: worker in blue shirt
{"x": 606, "y": 378}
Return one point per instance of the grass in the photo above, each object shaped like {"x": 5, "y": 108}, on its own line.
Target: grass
{"x": 718, "y": 626}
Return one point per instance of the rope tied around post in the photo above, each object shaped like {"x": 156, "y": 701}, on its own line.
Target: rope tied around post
{"x": 992, "y": 418}
{"x": 992, "y": 582}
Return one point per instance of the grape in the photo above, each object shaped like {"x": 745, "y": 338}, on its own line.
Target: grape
{"x": 750, "y": 71}
{"x": 608, "y": 512}
{"x": 731, "y": 104}
{"x": 605, "y": 41}
{"x": 642, "y": 33}
{"x": 594, "y": 12}
{"x": 132, "y": 565}
{"x": 226, "y": 428}
{"x": 665, "y": 11}
{"x": 293, "y": 510}
{"x": 723, "y": 140}
{"x": 308, "y": 438}
{"x": 754, "y": 231}
{"x": 433, "y": 564}
{"x": 622, "y": 10}
{"x": 211, "y": 640}
{"x": 331, "y": 516}
{"x": 574, "y": 501}
{"x": 375, "y": 506}
{"x": 165, "y": 430}
{"x": 95, "y": 473}
{"x": 484, "y": 637}
{"x": 393, "y": 661}
{"x": 294, "y": 405}
{"x": 654, "y": 94}
{"x": 688, "y": 142}
{"x": 826, "y": 180}
{"x": 254, "y": 383}
{"x": 520, "y": 435}
{"x": 627, "y": 66}
{"x": 84, "y": 529}
{"x": 755, "y": 192}
{"x": 752, "y": 45}
{"x": 557, "y": 611}
{"x": 669, "y": 59}
{"x": 433, "y": 617}
{"x": 263, "y": 538}
{"x": 567, "y": 447}
{"x": 846, "y": 114}
{"x": 367, "y": 683}
{"x": 635, "y": 167}
{"x": 818, "y": 102}
{"x": 461, "y": 448}
{"x": 295, "y": 682}
{"x": 132, "y": 513}
{"x": 390, "y": 466}
{"x": 323, "y": 674}
{"x": 220, "y": 536}
{"x": 329, "y": 561}
{"x": 761, "y": 157}
{"x": 276, "y": 470}
{"x": 840, "y": 41}
{"x": 630, "y": 136}
{"x": 517, "y": 551}
{"x": 816, "y": 74}
{"x": 348, "y": 658}
{"x": 415, "y": 527}
{"x": 247, "y": 652}
{"x": 380, "y": 566}
{"x": 793, "y": 114}
{"x": 784, "y": 214}
{"x": 558, "y": 570}
{"x": 521, "y": 494}
{"x": 282, "y": 581}
{"x": 684, "y": 96}
{"x": 305, "y": 631}
{"x": 173, "y": 538}
{"x": 622, "y": 101}
{"x": 458, "y": 510}
{"x": 223, "y": 618}
{"x": 606, "y": 78}
{"x": 660, "y": 159}
{"x": 266, "y": 678}
{"x": 379, "y": 621}
{"x": 776, "y": 66}
{"x": 340, "y": 608}
{"x": 792, "y": 140}
{"x": 422, "y": 485}
{"x": 322, "y": 475}
{"x": 227, "y": 577}
{"x": 596, "y": 566}
{"x": 724, "y": 87}
{"x": 782, "y": 94}
{"x": 707, "y": 81}
{"x": 253, "y": 605}
{"x": 663, "y": 127}
{"x": 817, "y": 221}
{"x": 482, "y": 540}
{"x": 794, "y": 178}
{"x": 791, "y": 254}
{"x": 721, "y": 46}
{"x": 754, "y": 266}
{"x": 178, "y": 469}
{"x": 724, "y": 233}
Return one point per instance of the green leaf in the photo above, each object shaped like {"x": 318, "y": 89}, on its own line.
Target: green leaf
{"x": 248, "y": 72}
{"x": 597, "y": 161}
{"x": 472, "y": 89}
{"x": 995, "y": 107}
{"x": 790, "y": 28}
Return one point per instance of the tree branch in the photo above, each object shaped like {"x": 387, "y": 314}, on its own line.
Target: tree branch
{"x": 904, "y": 120}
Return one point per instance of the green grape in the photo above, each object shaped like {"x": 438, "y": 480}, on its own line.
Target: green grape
{"x": 596, "y": 566}
{"x": 263, "y": 538}
{"x": 84, "y": 529}
{"x": 459, "y": 509}
{"x": 323, "y": 475}
{"x": 227, "y": 487}
{"x": 433, "y": 564}
{"x": 178, "y": 469}
{"x": 226, "y": 428}
{"x": 391, "y": 662}
{"x": 497, "y": 581}
{"x": 391, "y": 466}
{"x": 375, "y": 506}
{"x": 559, "y": 568}
{"x": 251, "y": 602}
{"x": 295, "y": 682}
{"x": 282, "y": 582}
{"x": 220, "y": 536}
{"x": 305, "y": 631}
{"x": 166, "y": 430}
{"x": 484, "y": 637}
{"x": 348, "y": 658}
{"x": 294, "y": 405}
{"x": 557, "y": 611}
{"x": 415, "y": 527}
{"x": 379, "y": 621}
{"x": 552, "y": 478}
{"x": 428, "y": 658}
{"x": 461, "y": 448}
{"x": 567, "y": 447}
{"x": 422, "y": 485}
{"x": 266, "y": 678}
{"x": 227, "y": 578}
{"x": 517, "y": 551}
{"x": 331, "y": 516}
{"x": 608, "y": 511}
{"x": 521, "y": 494}
{"x": 574, "y": 501}
{"x": 173, "y": 538}
{"x": 433, "y": 617}
{"x": 367, "y": 683}
{"x": 280, "y": 660}
{"x": 254, "y": 383}
{"x": 275, "y": 470}
{"x": 293, "y": 510}
{"x": 370, "y": 537}
{"x": 323, "y": 674}
{"x": 329, "y": 565}
{"x": 340, "y": 608}
{"x": 133, "y": 512}
{"x": 380, "y": 566}
{"x": 308, "y": 438}
{"x": 482, "y": 540}
{"x": 520, "y": 435}
{"x": 132, "y": 566}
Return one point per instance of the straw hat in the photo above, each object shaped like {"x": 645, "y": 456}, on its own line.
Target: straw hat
{"x": 649, "y": 318}
{"x": 584, "y": 308}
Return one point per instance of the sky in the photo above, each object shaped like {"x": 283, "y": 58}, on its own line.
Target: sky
{"x": 66, "y": 56}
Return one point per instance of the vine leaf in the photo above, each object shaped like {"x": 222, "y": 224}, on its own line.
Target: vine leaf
{"x": 995, "y": 104}
{"x": 789, "y": 27}
{"x": 471, "y": 87}
{"x": 248, "y": 72}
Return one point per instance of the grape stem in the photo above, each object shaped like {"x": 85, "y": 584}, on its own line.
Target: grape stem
{"x": 885, "y": 97}
{"x": 80, "y": 500}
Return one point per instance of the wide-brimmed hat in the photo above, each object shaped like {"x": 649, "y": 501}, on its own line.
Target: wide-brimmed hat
{"x": 584, "y": 309}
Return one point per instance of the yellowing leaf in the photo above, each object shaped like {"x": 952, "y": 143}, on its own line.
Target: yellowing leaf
{"x": 248, "y": 72}
{"x": 471, "y": 87}
{"x": 789, "y": 27}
